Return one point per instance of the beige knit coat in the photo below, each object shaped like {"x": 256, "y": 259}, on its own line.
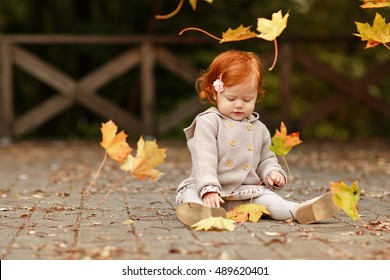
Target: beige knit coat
{"x": 228, "y": 154}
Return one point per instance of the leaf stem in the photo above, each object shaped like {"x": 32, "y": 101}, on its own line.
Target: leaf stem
{"x": 275, "y": 57}
{"x": 386, "y": 46}
{"x": 172, "y": 14}
{"x": 96, "y": 174}
{"x": 289, "y": 172}
{"x": 112, "y": 187}
{"x": 288, "y": 168}
{"x": 200, "y": 30}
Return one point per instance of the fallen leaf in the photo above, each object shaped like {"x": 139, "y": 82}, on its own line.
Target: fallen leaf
{"x": 346, "y": 197}
{"x": 271, "y": 29}
{"x": 128, "y": 222}
{"x": 114, "y": 144}
{"x": 380, "y": 225}
{"x": 149, "y": 155}
{"x": 283, "y": 143}
{"x": 271, "y": 233}
{"x": 62, "y": 194}
{"x": 247, "y": 212}
{"x": 214, "y": 223}
{"x": 104, "y": 238}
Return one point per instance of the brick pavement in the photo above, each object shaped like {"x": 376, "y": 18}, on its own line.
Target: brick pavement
{"x": 44, "y": 216}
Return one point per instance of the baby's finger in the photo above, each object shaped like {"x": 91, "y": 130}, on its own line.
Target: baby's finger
{"x": 269, "y": 181}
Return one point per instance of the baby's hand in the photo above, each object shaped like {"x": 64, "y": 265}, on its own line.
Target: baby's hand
{"x": 276, "y": 178}
{"x": 212, "y": 199}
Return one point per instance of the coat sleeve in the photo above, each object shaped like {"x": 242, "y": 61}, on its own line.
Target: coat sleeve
{"x": 202, "y": 143}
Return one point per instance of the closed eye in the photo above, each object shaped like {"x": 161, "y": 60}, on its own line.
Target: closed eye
{"x": 230, "y": 98}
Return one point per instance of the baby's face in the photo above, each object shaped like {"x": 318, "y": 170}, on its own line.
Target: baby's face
{"x": 238, "y": 102}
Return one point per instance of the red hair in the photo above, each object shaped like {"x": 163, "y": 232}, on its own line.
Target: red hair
{"x": 232, "y": 67}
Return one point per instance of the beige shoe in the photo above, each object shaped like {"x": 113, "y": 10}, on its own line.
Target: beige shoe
{"x": 316, "y": 209}
{"x": 191, "y": 213}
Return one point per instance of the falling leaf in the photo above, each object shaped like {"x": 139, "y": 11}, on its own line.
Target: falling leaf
{"x": 378, "y": 33}
{"x": 114, "y": 144}
{"x": 271, "y": 29}
{"x": 283, "y": 143}
{"x": 238, "y": 34}
{"x": 346, "y": 197}
{"x": 214, "y": 223}
{"x": 149, "y": 155}
{"x": 194, "y": 3}
{"x": 247, "y": 212}
{"x": 369, "y": 4}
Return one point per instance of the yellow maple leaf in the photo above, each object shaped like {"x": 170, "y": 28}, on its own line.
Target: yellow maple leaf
{"x": 282, "y": 143}
{"x": 346, "y": 197}
{"x": 247, "y": 212}
{"x": 238, "y": 34}
{"x": 194, "y": 3}
{"x": 114, "y": 144}
{"x": 214, "y": 223}
{"x": 149, "y": 155}
{"x": 271, "y": 29}
{"x": 369, "y": 4}
{"x": 378, "y": 33}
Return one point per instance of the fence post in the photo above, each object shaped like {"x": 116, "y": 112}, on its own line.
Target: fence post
{"x": 6, "y": 98}
{"x": 147, "y": 89}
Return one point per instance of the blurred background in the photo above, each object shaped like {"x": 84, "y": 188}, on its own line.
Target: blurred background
{"x": 325, "y": 84}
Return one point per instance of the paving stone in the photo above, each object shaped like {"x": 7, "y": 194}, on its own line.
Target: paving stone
{"x": 45, "y": 216}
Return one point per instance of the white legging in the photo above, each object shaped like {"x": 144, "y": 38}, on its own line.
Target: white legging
{"x": 279, "y": 208}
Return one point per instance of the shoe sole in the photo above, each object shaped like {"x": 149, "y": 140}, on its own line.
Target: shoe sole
{"x": 321, "y": 209}
{"x": 191, "y": 213}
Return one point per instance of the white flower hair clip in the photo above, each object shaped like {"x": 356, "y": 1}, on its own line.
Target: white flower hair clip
{"x": 218, "y": 85}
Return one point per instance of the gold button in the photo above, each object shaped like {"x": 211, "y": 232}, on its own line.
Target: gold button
{"x": 250, "y": 127}
{"x": 229, "y": 163}
{"x": 233, "y": 143}
{"x": 250, "y": 147}
{"x": 246, "y": 166}
{"x": 230, "y": 124}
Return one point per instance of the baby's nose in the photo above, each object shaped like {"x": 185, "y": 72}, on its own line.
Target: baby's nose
{"x": 238, "y": 103}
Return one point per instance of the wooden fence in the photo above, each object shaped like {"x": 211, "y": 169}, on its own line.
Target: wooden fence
{"x": 146, "y": 52}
